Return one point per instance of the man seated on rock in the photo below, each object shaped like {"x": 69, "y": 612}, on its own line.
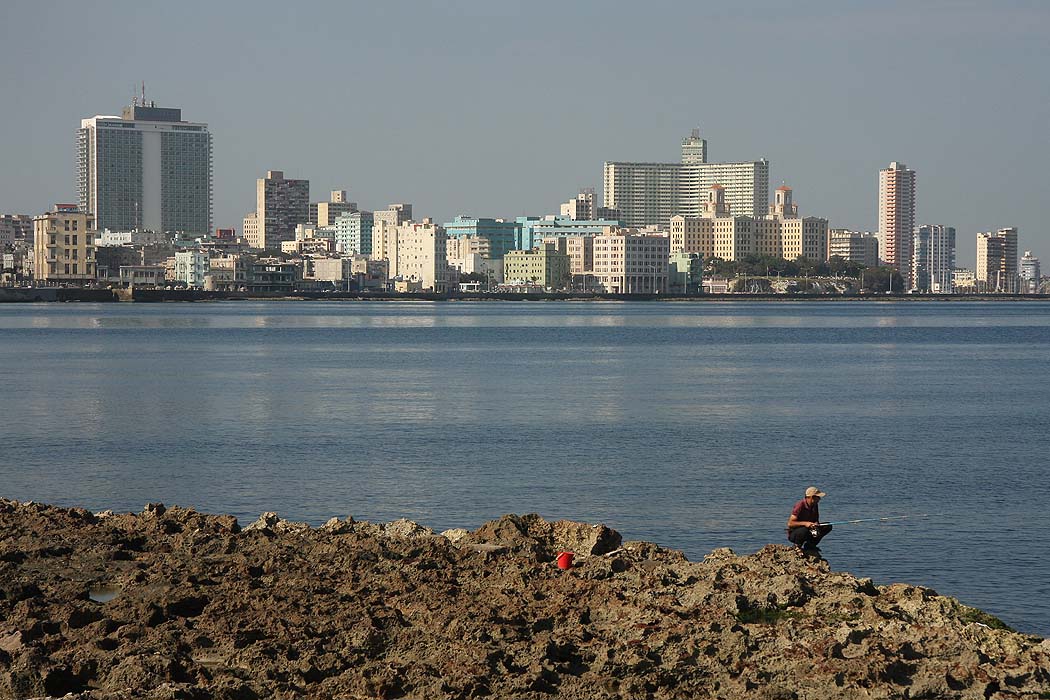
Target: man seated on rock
{"x": 803, "y": 526}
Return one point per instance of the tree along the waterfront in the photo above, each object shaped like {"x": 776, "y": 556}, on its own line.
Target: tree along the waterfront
{"x": 770, "y": 266}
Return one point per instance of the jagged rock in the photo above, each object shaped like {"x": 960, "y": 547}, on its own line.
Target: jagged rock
{"x": 407, "y": 529}
{"x": 456, "y": 534}
{"x": 154, "y": 509}
{"x": 335, "y": 526}
{"x": 393, "y": 611}
{"x": 272, "y": 523}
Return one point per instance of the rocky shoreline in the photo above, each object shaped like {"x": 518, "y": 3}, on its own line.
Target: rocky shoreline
{"x": 171, "y": 603}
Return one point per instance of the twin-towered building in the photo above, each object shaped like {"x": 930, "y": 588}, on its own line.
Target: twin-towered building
{"x": 718, "y": 232}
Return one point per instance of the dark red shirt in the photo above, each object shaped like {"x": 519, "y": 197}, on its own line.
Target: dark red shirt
{"x": 805, "y": 512}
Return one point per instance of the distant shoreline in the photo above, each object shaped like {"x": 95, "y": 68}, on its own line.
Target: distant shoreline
{"x": 63, "y": 294}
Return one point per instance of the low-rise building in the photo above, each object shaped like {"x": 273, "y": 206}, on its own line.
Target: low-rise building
{"x": 273, "y": 275}
{"x": 229, "y": 272}
{"x": 132, "y": 238}
{"x": 685, "y": 272}
{"x": 627, "y": 261}
{"x": 191, "y": 267}
{"x": 543, "y": 265}
{"x": 63, "y": 246}
{"x": 140, "y": 276}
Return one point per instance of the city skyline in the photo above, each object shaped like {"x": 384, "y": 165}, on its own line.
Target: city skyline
{"x": 420, "y": 121}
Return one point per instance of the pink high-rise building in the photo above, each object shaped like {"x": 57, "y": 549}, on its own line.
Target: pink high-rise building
{"x": 897, "y": 217}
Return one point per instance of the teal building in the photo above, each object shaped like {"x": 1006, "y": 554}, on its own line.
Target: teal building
{"x": 353, "y": 233}
{"x": 533, "y": 229}
{"x": 501, "y": 235}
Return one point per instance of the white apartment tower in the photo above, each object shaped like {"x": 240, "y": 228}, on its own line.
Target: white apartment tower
{"x": 649, "y": 194}
{"x": 897, "y": 217}
{"x": 1030, "y": 272}
{"x": 146, "y": 169}
{"x": 933, "y": 261}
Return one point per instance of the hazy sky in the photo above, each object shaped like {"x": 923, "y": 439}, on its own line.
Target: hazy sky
{"x": 505, "y": 108}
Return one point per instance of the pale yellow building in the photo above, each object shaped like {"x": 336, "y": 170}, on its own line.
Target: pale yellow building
{"x": 580, "y": 250}
{"x": 415, "y": 252}
{"x": 63, "y": 246}
{"x": 782, "y": 233}
{"x": 325, "y": 213}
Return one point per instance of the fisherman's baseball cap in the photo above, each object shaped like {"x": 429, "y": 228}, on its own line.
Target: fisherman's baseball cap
{"x": 814, "y": 491}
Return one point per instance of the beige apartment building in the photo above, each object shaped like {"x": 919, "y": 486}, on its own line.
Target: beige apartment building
{"x": 997, "y": 260}
{"x": 580, "y": 250}
{"x": 64, "y": 246}
{"x": 856, "y": 246}
{"x": 415, "y": 252}
{"x": 627, "y": 261}
{"x": 718, "y": 233}
{"x": 325, "y": 213}
{"x": 543, "y": 265}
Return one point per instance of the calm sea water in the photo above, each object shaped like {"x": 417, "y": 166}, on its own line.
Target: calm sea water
{"x": 693, "y": 425}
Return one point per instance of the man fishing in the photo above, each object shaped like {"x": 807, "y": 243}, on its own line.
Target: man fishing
{"x": 803, "y": 526}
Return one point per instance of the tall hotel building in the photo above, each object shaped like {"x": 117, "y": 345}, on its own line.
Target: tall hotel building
{"x": 649, "y": 194}
{"x": 897, "y": 218}
{"x": 147, "y": 169}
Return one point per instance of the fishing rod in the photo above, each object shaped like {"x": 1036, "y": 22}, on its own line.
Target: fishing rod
{"x": 873, "y": 520}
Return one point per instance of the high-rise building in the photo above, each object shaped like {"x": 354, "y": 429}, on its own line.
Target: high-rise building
{"x": 325, "y": 213}
{"x": 580, "y": 207}
{"x": 933, "y": 259}
{"x": 353, "y": 233}
{"x": 856, "y": 246}
{"x": 147, "y": 169}
{"x": 648, "y": 194}
{"x": 897, "y": 217}
{"x": 64, "y": 245}
{"x": 280, "y": 205}
{"x": 395, "y": 214}
{"x": 1030, "y": 272}
{"x": 997, "y": 261}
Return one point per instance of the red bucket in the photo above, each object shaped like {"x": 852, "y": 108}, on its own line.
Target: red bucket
{"x": 565, "y": 560}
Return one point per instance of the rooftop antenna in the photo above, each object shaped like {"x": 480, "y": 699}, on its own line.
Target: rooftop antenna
{"x": 143, "y": 93}
{"x": 134, "y": 97}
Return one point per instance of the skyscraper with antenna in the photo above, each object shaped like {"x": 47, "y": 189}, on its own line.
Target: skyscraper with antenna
{"x": 146, "y": 169}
